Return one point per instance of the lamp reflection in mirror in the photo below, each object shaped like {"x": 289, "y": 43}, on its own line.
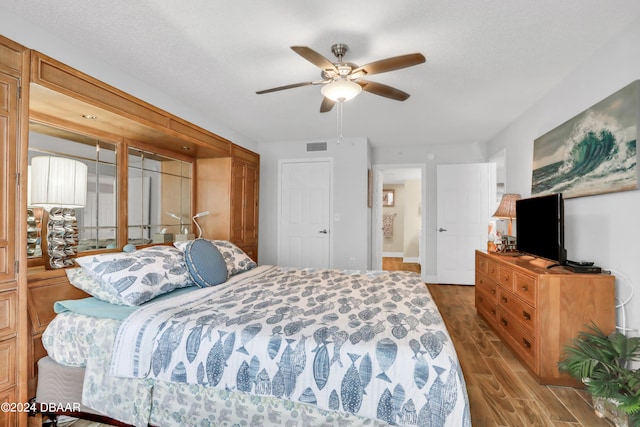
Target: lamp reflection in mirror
{"x": 59, "y": 185}
{"x": 58, "y": 182}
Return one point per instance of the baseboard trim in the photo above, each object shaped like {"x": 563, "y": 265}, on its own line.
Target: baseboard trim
{"x": 411, "y": 259}
{"x": 393, "y": 254}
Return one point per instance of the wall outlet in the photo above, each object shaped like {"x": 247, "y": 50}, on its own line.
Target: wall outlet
{"x": 352, "y": 262}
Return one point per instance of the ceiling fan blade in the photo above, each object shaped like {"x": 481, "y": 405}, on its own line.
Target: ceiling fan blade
{"x": 291, "y": 86}
{"x": 390, "y": 64}
{"x": 383, "y": 90}
{"x": 314, "y": 57}
{"x": 327, "y": 105}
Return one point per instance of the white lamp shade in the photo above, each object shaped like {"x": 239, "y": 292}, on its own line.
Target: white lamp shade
{"x": 58, "y": 182}
{"x": 341, "y": 90}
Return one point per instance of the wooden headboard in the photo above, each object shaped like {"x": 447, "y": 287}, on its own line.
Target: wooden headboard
{"x": 45, "y": 288}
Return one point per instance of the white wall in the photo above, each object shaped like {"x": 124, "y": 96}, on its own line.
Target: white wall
{"x": 350, "y": 234}
{"x": 602, "y": 228}
{"x": 36, "y": 38}
{"x": 412, "y": 217}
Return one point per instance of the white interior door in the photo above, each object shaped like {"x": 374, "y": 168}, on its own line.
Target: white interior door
{"x": 463, "y": 216}
{"x": 305, "y": 214}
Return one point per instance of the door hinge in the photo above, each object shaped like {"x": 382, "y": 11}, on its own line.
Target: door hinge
{"x": 17, "y": 267}
{"x": 18, "y": 179}
{"x": 19, "y": 92}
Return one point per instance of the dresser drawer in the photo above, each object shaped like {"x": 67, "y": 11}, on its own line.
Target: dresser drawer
{"x": 482, "y": 264}
{"x": 505, "y": 277}
{"x": 8, "y": 313}
{"x": 520, "y": 311}
{"x": 522, "y": 342}
{"x": 525, "y": 287}
{"x": 486, "y": 285}
{"x": 486, "y": 307}
{"x": 492, "y": 269}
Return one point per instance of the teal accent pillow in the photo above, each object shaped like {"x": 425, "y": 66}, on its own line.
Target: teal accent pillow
{"x": 205, "y": 263}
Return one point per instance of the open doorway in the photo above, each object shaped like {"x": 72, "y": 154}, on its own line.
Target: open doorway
{"x": 398, "y": 218}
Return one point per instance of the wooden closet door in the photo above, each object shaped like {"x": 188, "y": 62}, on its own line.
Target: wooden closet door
{"x": 237, "y": 202}
{"x": 9, "y": 375}
{"x": 244, "y": 206}
{"x": 250, "y": 218}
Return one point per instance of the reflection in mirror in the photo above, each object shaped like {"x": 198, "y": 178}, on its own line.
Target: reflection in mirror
{"x": 159, "y": 203}
{"x": 97, "y": 220}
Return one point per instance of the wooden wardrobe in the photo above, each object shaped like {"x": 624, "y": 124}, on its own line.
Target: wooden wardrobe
{"x": 36, "y": 87}
{"x": 13, "y": 293}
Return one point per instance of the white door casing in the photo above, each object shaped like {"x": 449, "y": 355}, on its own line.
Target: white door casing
{"x": 463, "y": 194}
{"x": 304, "y": 212}
{"x": 377, "y": 210}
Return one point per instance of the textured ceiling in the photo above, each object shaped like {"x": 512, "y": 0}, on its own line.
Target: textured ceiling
{"x": 487, "y": 61}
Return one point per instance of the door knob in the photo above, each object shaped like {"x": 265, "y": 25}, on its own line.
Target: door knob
{"x": 323, "y": 231}
{"x": 442, "y": 229}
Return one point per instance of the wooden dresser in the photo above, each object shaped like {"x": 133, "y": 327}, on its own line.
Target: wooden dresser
{"x": 536, "y": 310}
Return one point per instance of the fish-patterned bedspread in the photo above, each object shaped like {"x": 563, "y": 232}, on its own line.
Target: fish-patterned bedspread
{"x": 371, "y": 343}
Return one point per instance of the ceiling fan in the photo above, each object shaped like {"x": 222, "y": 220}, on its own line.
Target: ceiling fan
{"x": 344, "y": 80}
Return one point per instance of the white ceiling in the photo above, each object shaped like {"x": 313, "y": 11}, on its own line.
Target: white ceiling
{"x": 487, "y": 61}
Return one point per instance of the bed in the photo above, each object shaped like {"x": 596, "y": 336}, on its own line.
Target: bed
{"x": 168, "y": 339}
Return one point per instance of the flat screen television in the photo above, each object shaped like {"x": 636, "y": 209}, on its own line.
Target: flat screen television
{"x": 540, "y": 227}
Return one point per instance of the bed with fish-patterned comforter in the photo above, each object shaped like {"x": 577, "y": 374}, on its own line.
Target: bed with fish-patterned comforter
{"x": 371, "y": 344}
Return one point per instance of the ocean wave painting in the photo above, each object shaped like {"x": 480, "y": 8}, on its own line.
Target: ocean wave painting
{"x": 593, "y": 153}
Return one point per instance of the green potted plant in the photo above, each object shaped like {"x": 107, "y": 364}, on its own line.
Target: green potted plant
{"x": 603, "y": 363}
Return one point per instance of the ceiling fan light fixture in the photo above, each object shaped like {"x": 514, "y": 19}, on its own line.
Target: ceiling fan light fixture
{"x": 341, "y": 90}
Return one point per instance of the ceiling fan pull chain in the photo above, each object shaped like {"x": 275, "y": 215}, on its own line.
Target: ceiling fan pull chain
{"x": 339, "y": 121}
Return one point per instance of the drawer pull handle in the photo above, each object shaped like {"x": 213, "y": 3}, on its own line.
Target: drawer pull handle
{"x": 526, "y": 343}
{"x": 493, "y": 291}
{"x": 526, "y": 315}
{"x": 493, "y": 311}
{"x": 480, "y": 299}
{"x": 504, "y": 322}
{"x": 504, "y": 300}
{"x": 525, "y": 289}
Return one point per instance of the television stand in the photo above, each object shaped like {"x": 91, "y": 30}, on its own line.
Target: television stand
{"x": 536, "y": 311}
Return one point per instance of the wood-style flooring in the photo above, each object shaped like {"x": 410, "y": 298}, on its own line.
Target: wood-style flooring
{"x": 396, "y": 264}
{"x": 501, "y": 391}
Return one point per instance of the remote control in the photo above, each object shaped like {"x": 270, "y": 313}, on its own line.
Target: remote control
{"x": 581, "y": 263}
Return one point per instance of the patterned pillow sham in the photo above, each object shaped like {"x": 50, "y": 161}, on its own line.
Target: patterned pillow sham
{"x": 140, "y": 276}
{"x": 237, "y": 261}
{"x": 82, "y": 279}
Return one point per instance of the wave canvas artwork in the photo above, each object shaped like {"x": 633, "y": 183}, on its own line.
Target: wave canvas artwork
{"x": 593, "y": 153}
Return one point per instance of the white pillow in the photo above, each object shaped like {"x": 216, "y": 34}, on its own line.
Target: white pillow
{"x": 83, "y": 279}
{"x": 139, "y": 276}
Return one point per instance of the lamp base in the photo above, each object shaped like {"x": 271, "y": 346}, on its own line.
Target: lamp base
{"x": 184, "y": 237}
{"x": 60, "y": 238}
{"x": 162, "y": 237}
